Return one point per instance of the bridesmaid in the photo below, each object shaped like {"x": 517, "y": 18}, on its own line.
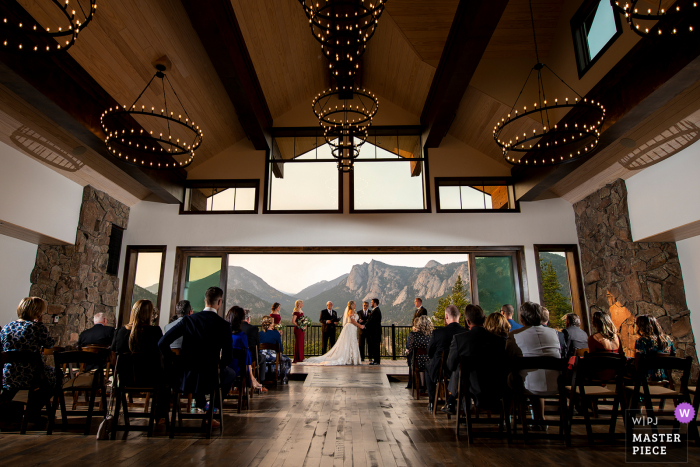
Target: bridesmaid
{"x": 275, "y": 315}
{"x": 298, "y": 332}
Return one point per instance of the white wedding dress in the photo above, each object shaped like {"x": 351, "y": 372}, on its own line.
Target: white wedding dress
{"x": 346, "y": 350}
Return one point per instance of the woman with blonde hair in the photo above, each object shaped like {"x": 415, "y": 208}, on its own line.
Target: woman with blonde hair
{"x": 138, "y": 336}
{"x": 298, "y": 332}
{"x": 28, "y": 334}
{"x": 605, "y": 338}
{"x": 497, "y": 324}
{"x": 418, "y": 339}
{"x": 346, "y": 350}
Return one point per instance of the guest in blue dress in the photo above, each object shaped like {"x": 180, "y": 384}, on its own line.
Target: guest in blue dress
{"x": 240, "y": 341}
{"x": 652, "y": 341}
{"x": 269, "y": 335}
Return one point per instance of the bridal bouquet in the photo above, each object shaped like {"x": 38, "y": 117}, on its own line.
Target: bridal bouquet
{"x": 303, "y": 323}
{"x": 279, "y": 326}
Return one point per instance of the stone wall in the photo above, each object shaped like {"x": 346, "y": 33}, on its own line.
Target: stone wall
{"x": 73, "y": 279}
{"x": 631, "y": 278}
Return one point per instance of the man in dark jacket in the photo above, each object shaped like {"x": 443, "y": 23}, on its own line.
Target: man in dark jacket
{"x": 206, "y": 343}
{"x": 98, "y": 334}
{"x": 562, "y": 340}
{"x": 362, "y": 316}
{"x": 485, "y": 377}
{"x": 373, "y": 326}
{"x": 328, "y": 319}
{"x": 574, "y": 337}
{"x": 440, "y": 341}
{"x": 253, "y": 335}
{"x": 420, "y": 309}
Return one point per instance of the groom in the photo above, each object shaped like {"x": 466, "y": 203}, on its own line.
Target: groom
{"x": 328, "y": 319}
{"x": 373, "y": 328}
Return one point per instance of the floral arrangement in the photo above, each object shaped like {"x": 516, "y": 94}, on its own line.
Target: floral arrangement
{"x": 303, "y": 323}
{"x": 279, "y": 327}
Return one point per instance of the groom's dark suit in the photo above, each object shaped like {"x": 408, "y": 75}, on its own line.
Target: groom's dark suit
{"x": 374, "y": 338}
{"x": 363, "y": 333}
{"x": 328, "y": 329}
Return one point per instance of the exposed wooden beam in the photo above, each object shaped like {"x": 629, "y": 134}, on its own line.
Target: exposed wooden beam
{"x": 216, "y": 24}
{"x": 652, "y": 74}
{"x": 471, "y": 31}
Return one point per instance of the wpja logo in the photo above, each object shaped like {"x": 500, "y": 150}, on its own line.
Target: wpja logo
{"x": 652, "y": 439}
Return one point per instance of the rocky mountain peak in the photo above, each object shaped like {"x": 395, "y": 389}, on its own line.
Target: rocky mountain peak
{"x": 432, "y": 263}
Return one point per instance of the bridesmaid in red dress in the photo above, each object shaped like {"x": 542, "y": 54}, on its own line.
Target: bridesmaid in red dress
{"x": 298, "y": 332}
{"x": 275, "y": 315}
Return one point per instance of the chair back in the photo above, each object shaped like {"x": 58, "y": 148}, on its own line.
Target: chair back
{"x": 79, "y": 359}
{"x": 667, "y": 364}
{"x": 592, "y": 369}
{"x": 275, "y": 347}
{"x": 538, "y": 363}
{"x": 580, "y": 352}
{"x": 135, "y": 370}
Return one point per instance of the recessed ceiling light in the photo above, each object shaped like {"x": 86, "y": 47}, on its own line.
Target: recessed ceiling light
{"x": 628, "y": 143}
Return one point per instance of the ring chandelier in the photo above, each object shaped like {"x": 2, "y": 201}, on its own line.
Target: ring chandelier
{"x": 634, "y": 16}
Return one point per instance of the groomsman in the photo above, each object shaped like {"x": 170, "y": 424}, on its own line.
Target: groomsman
{"x": 420, "y": 309}
{"x": 329, "y": 318}
{"x": 363, "y": 314}
{"x": 374, "y": 338}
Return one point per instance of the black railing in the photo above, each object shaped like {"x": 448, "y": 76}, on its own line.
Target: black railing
{"x": 393, "y": 343}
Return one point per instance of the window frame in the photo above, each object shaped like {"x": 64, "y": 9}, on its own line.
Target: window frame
{"x": 573, "y": 267}
{"x": 580, "y": 40}
{"x": 129, "y": 279}
{"x": 223, "y": 183}
{"x": 475, "y": 181}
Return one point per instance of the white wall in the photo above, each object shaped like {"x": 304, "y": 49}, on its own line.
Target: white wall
{"x": 665, "y": 196}
{"x": 18, "y": 259}
{"x": 550, "y": 221}
{"x": 689, "y": 256}
{"x": 37, "y": 198}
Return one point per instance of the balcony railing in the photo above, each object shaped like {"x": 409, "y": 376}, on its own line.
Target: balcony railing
{"x": 393, "y": 344}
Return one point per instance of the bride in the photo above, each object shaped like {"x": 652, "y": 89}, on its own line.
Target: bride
{"x": 346, "y": 350}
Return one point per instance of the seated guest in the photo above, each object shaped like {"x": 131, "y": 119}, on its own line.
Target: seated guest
{"x": 652, "y": 341}
{"x": 535, "y": 340}
{"x": 268, "y": 335}
{"x": 98, "y": 334}
{"x": 497, "y": 324}
{"x": 182, "y": 309}
{"x": 605, "y": 338}
{"x": 138, "y": 336}
{"x": 252, "y": 334}
{"x": 155, "y": 317}
{"x": 560, "y": 335}
{"x": 240, "y": 341}
{"x": 507, "y": 311}
{"x": 206, "y": 341}
{"x": 486, "y": 344}
{"x": 575, "y": 337}
{"x": 440, "y": 342}
{"x": 420, "y": 338}
{"x": 28, "y": 334}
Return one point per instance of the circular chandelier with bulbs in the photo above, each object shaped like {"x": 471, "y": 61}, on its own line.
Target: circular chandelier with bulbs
{"x": 343, "y": 27}
{"x": 551, "y": 144}
{"x": 32, "y": 38}
{"x": 636, "y": 17}
{"x": 169, "y": 142}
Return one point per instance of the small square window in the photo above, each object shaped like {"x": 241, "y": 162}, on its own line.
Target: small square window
{"x": 595, "y": 26}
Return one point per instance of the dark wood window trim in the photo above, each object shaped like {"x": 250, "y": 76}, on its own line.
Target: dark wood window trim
{"x": 573, "y": 267}
{"x": 471, "y": 181}
{"x": 129, "y": 277}
{"x": 516, "y": 252}
{"x": 222, "y": 183}
{"x": 582, "y": 54}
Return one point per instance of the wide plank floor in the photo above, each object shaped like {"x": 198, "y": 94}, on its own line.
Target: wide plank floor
{"x": 337, "y": 416}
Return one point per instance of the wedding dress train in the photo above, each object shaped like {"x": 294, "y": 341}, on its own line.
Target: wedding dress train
{"x": 346, "y": 350}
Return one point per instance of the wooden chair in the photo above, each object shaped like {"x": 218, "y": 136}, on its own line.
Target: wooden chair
{"x": 239, "y": 390}
{"x": 587, "y": 389}
{"x": 693, "y": 426}
{"x": 207, "y": 418}
{"x": 254, "y": 367}
{"x": 415, "y": 391}
{"x": 189, "y": 396}
{"x": 276, "y": 348}
{"x": 90, "y": 382}
{"x": 464, "y": 398}
{"x": 580, "y": 352}
{"x": 132, "y": 373}
{"x": 441, "y": 387}
{"x": 29, "y": 358}
{"x": 521, "y": 394}
{"x": 105, "y": 350}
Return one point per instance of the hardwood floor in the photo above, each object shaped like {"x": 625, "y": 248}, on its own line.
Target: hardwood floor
{"x": 337, "y": 416}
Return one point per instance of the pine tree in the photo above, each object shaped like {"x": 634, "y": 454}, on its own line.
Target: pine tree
{"x": 458, "y": 297}
{"x": 556, "y": 302}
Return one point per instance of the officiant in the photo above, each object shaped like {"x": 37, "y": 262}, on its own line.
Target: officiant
{"x": 329, "y": 318}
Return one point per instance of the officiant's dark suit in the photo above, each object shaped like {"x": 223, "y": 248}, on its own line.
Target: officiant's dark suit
{"x": 327, "y": 328}
{"x": 362, "y": 316}
{"x": 374, "y": 337}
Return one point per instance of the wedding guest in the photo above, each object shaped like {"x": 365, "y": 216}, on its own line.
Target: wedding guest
{"x": 507, "y": 311}
{"x": 251, "y": 332}
{"x": 497, "y": 324}
{"x": 275, "y": 314}
{"x": 239, "y": 338}
{"x": 605, "y": 338}
{"x": 155, "y": 317}
{"x": 420, "y": 309}
{"x": 575, "y": 337}
{"x": 328, "y": 319}
{"x": 535, "y": 340}
{"x": 28, "y": 334}
{"x": 362, "y": 316}
{"x": 98, "y": 334}
{"x": 269, "y": 336}
{"x": 182, "y": 309}
{"x": 440, "y": 342}
{"x": 419, "y": 339}
{"x": 298, "y": 332}
{"x": 560, "y": 335}
{"x": 651, "y": 342}
{"x": 484, "y": 342}
{"x": 139, "y": 336}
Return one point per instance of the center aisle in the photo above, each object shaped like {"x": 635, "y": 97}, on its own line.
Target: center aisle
{"x": 363, "y": 376}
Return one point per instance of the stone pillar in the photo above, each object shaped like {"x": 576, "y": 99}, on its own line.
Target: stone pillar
{"x": 631, "y": 278}
{"x": 73, "y": 279}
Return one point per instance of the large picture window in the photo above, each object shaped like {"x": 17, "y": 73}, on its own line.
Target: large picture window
{"x": 143, "y": 278}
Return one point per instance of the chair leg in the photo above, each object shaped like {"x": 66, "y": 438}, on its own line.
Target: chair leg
{"x": 506, "y": 419}
{"x": 152, "y": 418}
{"x": 458, "y": 413}
{"x": 175, "y": 412}
{"x": 64, "y": 411}
{"x": 91, "y": 407}
{"x": 52, "y": 414}
{"x": 523, "y": 420}
{"x": 127, "y": 425}
{"x": 115, "y": 423}
{"x": 587, "y": 418}
{"x": 563, "y": 422}
{"x": 210, "y": 414}
{"x": 470, "y": 427}
{"x": 221, "y": 413}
